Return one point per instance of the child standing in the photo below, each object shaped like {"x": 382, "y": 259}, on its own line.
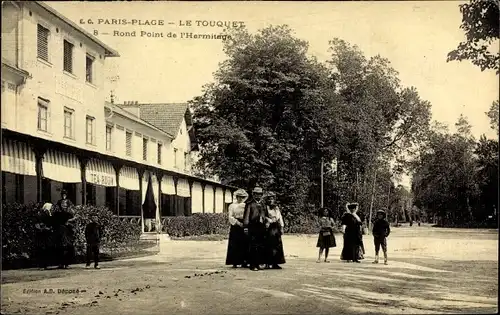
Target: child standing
{"x": 93, "y": 235}
{"x": 381, "y": 230}
{"x": 326, "y": 239}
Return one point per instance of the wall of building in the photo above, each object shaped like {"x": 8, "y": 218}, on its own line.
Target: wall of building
{"x": 10, "y": 32}
{"x": 62, "y": 89}
{"x": 118, "y": 138}
{"x": 182, "y": 143}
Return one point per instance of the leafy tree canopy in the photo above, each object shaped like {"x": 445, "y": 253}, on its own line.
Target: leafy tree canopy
{"x": 480, "y": 21}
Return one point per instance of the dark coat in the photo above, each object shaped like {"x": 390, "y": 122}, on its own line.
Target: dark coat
{"x": 255, "y": 212}
{"x": 381, "y": 228}
{"x": 93, "y": 233}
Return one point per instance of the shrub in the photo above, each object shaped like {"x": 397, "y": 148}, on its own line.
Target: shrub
{"x": 217, "y": 223}
{"x": 196, "y": 224}
{"x": 18, "y": 231}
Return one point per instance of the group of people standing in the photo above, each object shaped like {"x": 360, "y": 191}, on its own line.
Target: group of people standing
{"x": 352, "y": 230}
{"x": 55, "y": 235}
{"x": 256, "y": 230}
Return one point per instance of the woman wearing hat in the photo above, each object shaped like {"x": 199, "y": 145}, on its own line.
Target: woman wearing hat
{"x": 275, "y": 228}
{"x": 237, "y": 247}
{"x": 64, "y": 234}
{"x": 353, "y": 238}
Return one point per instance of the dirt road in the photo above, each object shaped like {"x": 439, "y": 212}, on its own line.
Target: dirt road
{"x": 430, "y": 271}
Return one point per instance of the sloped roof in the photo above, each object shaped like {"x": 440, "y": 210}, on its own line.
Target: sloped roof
{"x": 164, "y": 116}
{"x": 167, "y": 116}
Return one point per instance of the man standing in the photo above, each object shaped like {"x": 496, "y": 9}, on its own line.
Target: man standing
{"x": 254, "y": 226}
{"x": 93, "y": 235}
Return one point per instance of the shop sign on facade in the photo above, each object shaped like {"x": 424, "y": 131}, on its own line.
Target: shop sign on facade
{"x": 101, "y": 179}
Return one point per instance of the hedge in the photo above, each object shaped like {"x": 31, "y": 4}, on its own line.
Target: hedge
{"x": 217, "y": 223}
{"x": 18, "y": 233}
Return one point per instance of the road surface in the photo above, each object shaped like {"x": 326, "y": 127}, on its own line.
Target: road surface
{"x": 430, "y": 271}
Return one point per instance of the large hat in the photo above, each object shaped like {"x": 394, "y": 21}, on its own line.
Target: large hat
{"x": 381, "y": 211}
{"x": 240, "y": 193}
{"x": 257, "y": 190}
{"x": 271, "y": 194}
{"x": 352, "y": 205}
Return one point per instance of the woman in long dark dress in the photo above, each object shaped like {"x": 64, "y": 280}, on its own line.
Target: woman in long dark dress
{"x": 275, "y": 255}
{"x": 351, "y": 227}
{"x": 63, "y": 230}
{"x": 237, "y": 247}
{"x": 43, "y": 239}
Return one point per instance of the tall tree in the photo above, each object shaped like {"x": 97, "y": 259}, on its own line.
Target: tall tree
{"x": 480, "y": 22}
{"x": 493, "y": 116}
{"x": 264, "y": 121}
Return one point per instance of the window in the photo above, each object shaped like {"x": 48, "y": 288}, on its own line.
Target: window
{"x": 68, "y": 123}
{"x": 159, "y": 153}
{"x": 68, "y": 57}
{"x": 128, "y": 143}
{"x": 90, "y": 130}
{"x": 43, "y": 43}
{"x": 175, "y": 158}
{"x": 89, "y": 62}
{"x": 144, "y": 149}
{"x": 43, "y": 114}
{"x": 186, "y": 156}
{"x": 109, "y": 130}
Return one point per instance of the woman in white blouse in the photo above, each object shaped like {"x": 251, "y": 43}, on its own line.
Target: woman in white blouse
{"x": 237, "y": 248}
{"x": 275, "y": 229}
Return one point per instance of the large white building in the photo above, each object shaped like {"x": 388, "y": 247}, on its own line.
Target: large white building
{"x": 59, "y": 133}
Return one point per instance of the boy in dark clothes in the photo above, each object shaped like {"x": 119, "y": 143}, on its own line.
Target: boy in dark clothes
{"x": 93, "y": 234}
{"x": 381, "y": 231}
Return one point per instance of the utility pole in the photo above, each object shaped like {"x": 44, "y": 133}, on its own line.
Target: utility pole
{"x": 322, "y": 168}
{"x": 371, "y": 202}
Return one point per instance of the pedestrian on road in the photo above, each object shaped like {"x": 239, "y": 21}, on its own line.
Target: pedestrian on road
{"x": 353, "y": 238}
{"x": 237, "y": 247}
{"x": 275, "y": 229}
{"x": 326, "y": 239}
{"x": 381, "y": 230}
{"x": 254, "y": 227}
{"x": 93, "y": 236}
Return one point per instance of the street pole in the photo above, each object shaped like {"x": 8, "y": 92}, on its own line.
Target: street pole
{"x": 371, "y": 202}
{"x": 322, "y": 166}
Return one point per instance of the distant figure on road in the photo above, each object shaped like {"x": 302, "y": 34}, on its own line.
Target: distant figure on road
{"x": 353, "y": 238}
{"x": 237, "y": 247}
{"x": 254, "y": 227}
{"x": 381, "y": 230}
{"x": 275, "y": 229}
{"x": 326, "y": 239}
{"x": 93, "y": 236}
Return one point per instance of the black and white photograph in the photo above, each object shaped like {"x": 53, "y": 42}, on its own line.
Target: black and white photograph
{"x": 249, "y": 157}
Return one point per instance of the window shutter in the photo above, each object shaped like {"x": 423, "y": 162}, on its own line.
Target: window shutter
{"x": 42, "y": 43}
{"x": 68, "y": 57}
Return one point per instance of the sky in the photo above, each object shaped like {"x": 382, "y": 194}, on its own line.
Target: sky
{"x": 414, "y": 35}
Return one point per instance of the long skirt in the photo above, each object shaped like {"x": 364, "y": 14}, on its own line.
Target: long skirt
{"x": 274, "y": 246}
{"x": 326, "y": 241}
{"x": 64, "y": 245}
{"x": 237, "y": 247}
{"x": 353, "y": 248}
{"x": 257, "y": 240}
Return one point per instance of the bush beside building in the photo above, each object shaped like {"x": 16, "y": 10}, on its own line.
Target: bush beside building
{"x": 121, "y": 237}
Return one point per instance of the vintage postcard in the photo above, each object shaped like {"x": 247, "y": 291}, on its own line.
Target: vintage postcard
{"x": 249, "y": 157}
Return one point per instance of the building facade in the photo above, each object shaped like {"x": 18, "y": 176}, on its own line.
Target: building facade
{"x": 58, "y": 132}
